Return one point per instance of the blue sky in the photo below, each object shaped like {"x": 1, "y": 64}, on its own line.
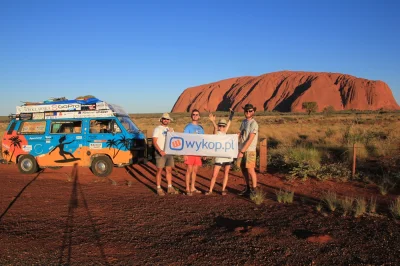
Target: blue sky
{"x": 143, "y": 54}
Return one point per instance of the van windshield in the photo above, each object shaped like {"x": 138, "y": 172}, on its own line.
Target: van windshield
{"x": 128, "y": 124}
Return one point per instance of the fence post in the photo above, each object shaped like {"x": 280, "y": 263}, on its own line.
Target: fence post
{"x": 353, "y": 172}
{"x": 263, "y": 156}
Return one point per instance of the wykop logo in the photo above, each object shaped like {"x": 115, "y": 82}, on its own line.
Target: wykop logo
{"x": 177, "y": 144}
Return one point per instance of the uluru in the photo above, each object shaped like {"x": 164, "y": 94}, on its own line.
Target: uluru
{"x": 285, "y": 91}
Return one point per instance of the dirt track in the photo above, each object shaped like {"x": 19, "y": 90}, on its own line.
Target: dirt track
{"x": 58, "y": 217}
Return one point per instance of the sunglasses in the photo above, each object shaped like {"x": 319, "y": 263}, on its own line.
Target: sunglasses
{"x": 221, "y": 126}
{"x": 249, "y": 111}
{"x": 165, "y": 119}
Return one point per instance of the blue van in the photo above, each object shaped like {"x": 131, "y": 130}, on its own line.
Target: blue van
{"x": 87, "y": 132}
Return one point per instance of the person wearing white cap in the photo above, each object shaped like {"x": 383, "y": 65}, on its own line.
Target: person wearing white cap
{"x": 221, "y": 129}
{"x": 163, "y": 160}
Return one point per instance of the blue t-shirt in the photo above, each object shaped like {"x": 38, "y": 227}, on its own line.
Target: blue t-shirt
{"x": 193, "y": 129}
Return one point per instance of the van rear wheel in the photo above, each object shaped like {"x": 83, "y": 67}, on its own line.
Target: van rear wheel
{"x": 101, "y": 166}
{"x": 27, "y": 164}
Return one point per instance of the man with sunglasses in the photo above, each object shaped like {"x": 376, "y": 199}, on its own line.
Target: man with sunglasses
{"x": 248, "y": 137}
{"x": 163, "y": 160}
{"x": 193, "y": 162}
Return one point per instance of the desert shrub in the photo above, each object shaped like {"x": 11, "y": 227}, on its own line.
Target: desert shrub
{"x": 283, "y": 196}
{"x": 178, "y": 159}
{"x": 328, "y": 111}
{"x": 346, "y": 204}
{"x": 288, "y": 197}
{"x": 360, "y": 206}
{"x": 330, "y": 132}
{"x": 319, "y": 207}
{"x": 330, "y": 199}
{"x": 257, "y": 196}
{"x": 279, "y": 195}
{"x": 338, "y": 171}
{"x": 372, "y": 205}
{"x": 302, "y": 162}
{"x": 395, "y": 207}
{"x": 383, "y": 189}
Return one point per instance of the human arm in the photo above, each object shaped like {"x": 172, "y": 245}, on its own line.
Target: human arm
{"x": 231, "y": 113}
{"x": 158, "y": 149}
{"x": 246, "y": 144}
{"x": 212, "y": 119}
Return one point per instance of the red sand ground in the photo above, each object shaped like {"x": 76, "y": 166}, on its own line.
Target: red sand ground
{"x": 62, "y": 217}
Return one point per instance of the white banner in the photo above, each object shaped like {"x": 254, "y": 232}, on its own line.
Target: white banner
{"x": 202, "y": 145}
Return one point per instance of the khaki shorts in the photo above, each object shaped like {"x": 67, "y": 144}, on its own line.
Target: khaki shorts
{"x": 248, "y": 160}
{"x": 163, "y": 161}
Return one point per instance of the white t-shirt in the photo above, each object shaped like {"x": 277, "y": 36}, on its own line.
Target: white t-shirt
{"x": 222, "y": 159}
{"x": 160, "y": 132}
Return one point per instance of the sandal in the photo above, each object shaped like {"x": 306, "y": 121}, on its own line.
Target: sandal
{"x": 189, "y": 193}
{"x": 223, "y": 193}
{"x": 196, "y": 191}
{"x": 208, "y": 193}
{"x": 160, "y": 192}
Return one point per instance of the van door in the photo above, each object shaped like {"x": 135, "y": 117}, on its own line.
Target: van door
{"x": 64, "y": 143}
{"x": 106, "y": 137}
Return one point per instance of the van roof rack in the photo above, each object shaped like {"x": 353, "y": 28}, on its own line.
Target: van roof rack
{"x": 91, "y": 107}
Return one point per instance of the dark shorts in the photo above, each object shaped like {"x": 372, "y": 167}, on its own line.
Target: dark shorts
{"x": 163, "y": 161}
{"x": 223, "y": 164}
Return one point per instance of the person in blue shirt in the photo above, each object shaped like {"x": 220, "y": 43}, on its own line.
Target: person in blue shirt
{"x": 193, "y": 162}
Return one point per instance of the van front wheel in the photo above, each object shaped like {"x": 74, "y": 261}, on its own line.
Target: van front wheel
{"x": 27, "y": 164}
{"x": 101, "y": 166}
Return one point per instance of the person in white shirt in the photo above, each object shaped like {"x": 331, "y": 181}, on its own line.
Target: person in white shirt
{"x": 221, "y": 129}
{"x": 248, "y": 137}
{"x": 163, "y": 160}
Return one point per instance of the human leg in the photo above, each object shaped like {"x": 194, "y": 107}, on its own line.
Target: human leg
{"x": 226, "y": 176}
{"x": 188, "y": 176}
{"x": 214, "y": 177}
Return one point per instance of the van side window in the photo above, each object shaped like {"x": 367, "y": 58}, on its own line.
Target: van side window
{"x": 11, "y": 129}
{"x": 66, "y": 127}
{"x": 103, "y": 126}
{"x": 32, "y": 127}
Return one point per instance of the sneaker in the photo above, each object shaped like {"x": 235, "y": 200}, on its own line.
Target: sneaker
{"x": 245, "y": 191}
{"x": 160, "y": 192}
{"x": 172, "y": 190}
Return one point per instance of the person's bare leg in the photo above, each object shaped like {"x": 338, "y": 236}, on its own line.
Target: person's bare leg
{"x": 188, "y": 175}
{"x": 168, "y": 175}
{"x": 253, "y": 175}
{"x": 226, "y": 176}
{"x": 214, "y": 177}
{"x": 158, "y": 177}
{"x": 194, "y": 175}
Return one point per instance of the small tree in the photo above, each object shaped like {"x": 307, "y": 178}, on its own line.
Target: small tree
{"x": 329, "y": 110}
{"x": 310, "y": 107}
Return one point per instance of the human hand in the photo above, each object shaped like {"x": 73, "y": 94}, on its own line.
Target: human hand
{"x": 240, "y": 155}
{"x": 162, "y": 153}
{"x": 211, "y": 117}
